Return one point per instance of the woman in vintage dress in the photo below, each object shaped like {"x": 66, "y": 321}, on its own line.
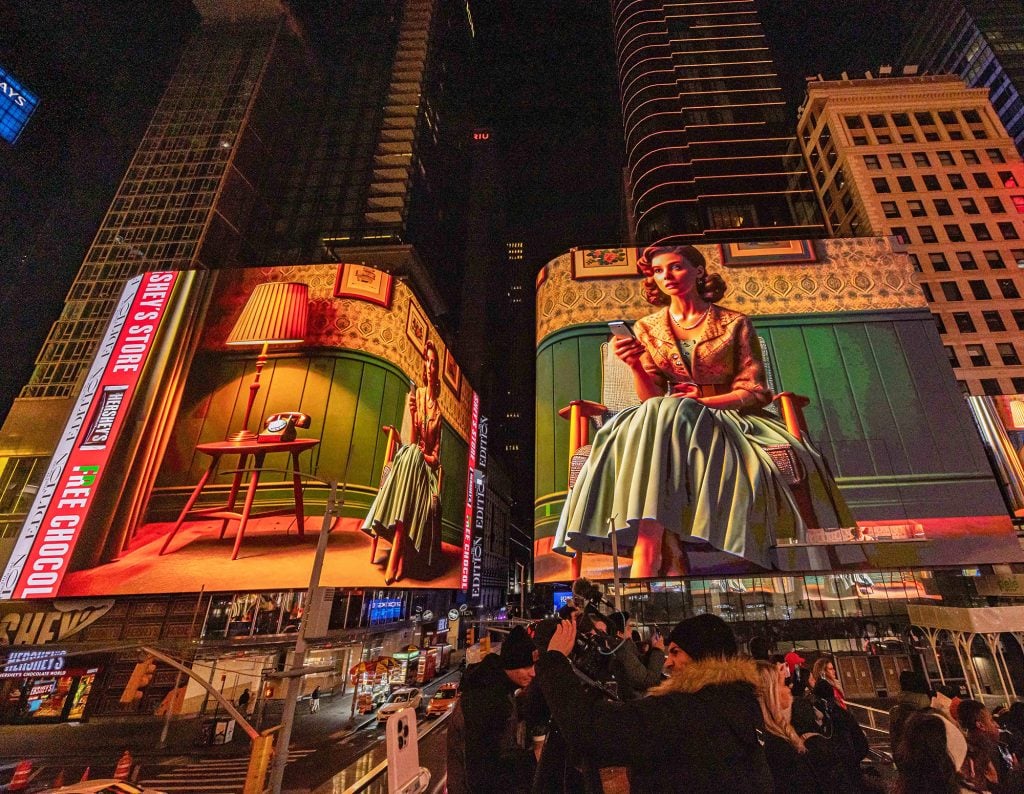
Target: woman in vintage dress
{"x": 406, "y": 510}
{"x": 687, "y": 467}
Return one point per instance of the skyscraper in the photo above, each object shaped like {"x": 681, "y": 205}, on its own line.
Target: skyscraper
{"x": 709, "y": 153}
{"x": 980, "y": 40}
{"x": 926, "y": 160}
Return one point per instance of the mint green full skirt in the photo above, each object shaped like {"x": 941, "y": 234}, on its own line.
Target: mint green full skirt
{"x": 702, "y": 473}
{"x": 405, "y": 495}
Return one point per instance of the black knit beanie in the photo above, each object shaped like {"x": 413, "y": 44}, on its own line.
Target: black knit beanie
{"x": 703, "y": 636}
{"x": 517, "y": 650}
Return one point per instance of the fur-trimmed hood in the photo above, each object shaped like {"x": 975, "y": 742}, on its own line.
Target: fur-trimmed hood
{"x": 713, "y": 671}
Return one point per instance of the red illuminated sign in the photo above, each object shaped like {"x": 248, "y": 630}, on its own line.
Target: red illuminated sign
{"x": 48, "y": 537}
{"x": 467, "y": 526}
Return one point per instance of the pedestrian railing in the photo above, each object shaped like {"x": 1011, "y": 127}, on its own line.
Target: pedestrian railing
{"x": 871, "y": 719}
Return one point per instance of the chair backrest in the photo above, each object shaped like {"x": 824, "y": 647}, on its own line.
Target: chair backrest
{"x": 618, "y": 391}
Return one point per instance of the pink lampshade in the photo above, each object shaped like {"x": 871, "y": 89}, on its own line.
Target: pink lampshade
{"x": 275, "y": 314}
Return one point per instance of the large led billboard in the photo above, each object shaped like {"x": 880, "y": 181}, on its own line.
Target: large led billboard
{"x": 801, "y": 417}
{"x": 282, "y": 380}
{"x": 17, "y": 104}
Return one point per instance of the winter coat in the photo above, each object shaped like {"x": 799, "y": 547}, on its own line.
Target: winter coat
{"x": 818, "y": 771}
{"x": 632, "y": 675}
{"x": 699, "y": 731}
{"x": 488, "y": 746}
{"x": 907, "y": 704}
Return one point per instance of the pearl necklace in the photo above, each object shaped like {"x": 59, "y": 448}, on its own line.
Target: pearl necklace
{"x": 679, "y": 324}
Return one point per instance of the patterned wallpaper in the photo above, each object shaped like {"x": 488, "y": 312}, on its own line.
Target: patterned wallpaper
{"x": 852, "y": 274}
{"x": 341, "y": 323}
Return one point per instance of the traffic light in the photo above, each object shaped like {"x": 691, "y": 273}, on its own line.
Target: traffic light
{"x": 260, "y": 756}
{"x": 139, "y": 679}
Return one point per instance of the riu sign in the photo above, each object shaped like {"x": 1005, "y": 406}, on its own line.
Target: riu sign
{"x": 47, "y": 540}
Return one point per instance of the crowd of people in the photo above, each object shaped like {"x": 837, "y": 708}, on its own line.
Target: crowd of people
{"x": 686, "y": 712}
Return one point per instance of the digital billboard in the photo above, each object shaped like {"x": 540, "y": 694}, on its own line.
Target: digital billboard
{"x": 749, "y": 408}
{"x": 293, "y": 377}
{"x": 17, "y": 104}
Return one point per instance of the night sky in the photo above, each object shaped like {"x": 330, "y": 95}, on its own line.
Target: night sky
{"x": 547, "y": 87}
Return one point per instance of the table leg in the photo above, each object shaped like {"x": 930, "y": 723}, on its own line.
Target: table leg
{"x": 300, "y": 510}
{"x": 190, "y": 503}
{"x": 250, "y": 495}
{"x": 236, "y": 482}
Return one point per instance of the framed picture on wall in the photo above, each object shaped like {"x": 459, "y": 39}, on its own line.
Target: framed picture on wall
{"x": 416, "y": 327}
{"x": 363, "y": 283}
{"x": 768, "y": 252}
{"x": 450, "y": 373}
{"x": 604, "y": 263}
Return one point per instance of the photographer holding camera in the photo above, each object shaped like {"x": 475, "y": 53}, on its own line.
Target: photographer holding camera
{"x": 632, "y": 674}
{"x": 701, "y": 730}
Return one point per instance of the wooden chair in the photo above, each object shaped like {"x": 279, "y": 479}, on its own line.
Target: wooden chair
{"x": 619, "y": 393}
{"x": 393, "y": 569}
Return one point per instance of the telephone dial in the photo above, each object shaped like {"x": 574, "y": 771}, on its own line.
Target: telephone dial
{"x": 281, "y": 427}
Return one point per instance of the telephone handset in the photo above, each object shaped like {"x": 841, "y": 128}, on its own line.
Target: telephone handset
{"x": 281, "y": 427}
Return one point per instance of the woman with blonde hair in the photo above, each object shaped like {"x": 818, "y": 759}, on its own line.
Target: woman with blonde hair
{"x": 799, "y": 764}
{"x": 824, "y": 669}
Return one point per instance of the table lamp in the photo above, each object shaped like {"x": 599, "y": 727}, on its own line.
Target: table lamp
{"x": 275, "y": 314}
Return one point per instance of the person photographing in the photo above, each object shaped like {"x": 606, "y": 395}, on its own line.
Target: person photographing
{"x": 700, "y": 730}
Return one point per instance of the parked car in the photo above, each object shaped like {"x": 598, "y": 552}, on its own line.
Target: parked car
{"x": 444, "y": 698}
{"x": 109, "y": 786}
{"x": 408, "y": 698}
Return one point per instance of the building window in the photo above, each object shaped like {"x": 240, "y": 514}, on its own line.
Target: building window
{"x": 994, "y": 204}
{"x": 964, "y": 323}
{"x": 901, "y": 119}
{"x": 921, "y": 160}
{"x": 900, "y": 233}
{"x": 957, "y": 182}
{"x": 939, "y": 325}
{"x": 995, "y": 156}
{"x": 981, "y": 232}
{"x": 872, "y": 162}
{"x": 1008, "y": 288}
{"x": 966, "y": 260}
{"x": 906, "y": 184}
{"x": 1017, "y": 255}
{"x": 946, "y": 158}
{"x": 994, "y": 259}
{"x": 994, "y": 321}
{"x": 942, "y": 207}
{"x": 1008, "y": 354}
{"x": 927, "y": 234}
{"x": 971, "y": 116}
{"x": 881, "y": 184}
{"x": 969, "y": 206}
{"x": 891, "y": 209}
{"x": 938, "y": 261}
{"x": 971, "y": 157}
{"x": 877, "y": 121}
{"x": 854, "y": 122}
{"x": 982, "y": 180}
{"x": 951, "y": 355}
{"x": 979, "y": 289}
{"x": 1007, "y": 179}
{"x": 1018, "y": 318}
{"x": 948, "y": 117}
{"x": 916, "y": 208}
{"x": 977, "y": 355}
{"x": 860, "y": 140}
{"x": 925, "y": 119}
{"x": 990, "y": 386}
{"x": 951, "y": 291}
{"x": 1018, "y": 385}
{"x": 883, "y": 139}
{"x": 926, "y": 290}
{"x": 896, "y": 161}
{"x": 1018, "y": 204}
{"x": 915, "y": 262}
{"x": 1008, "y": 230}
{"x": 931, "y": 182}
{"x": 954, "y": 233}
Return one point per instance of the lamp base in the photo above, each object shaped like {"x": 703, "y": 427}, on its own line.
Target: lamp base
{"x": 242, "y": 437}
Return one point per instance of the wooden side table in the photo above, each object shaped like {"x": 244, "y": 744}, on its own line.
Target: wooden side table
{"x": 216, "y": 449}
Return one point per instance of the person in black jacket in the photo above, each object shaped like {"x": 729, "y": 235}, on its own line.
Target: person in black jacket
{"x": 488, "y": 746}
{"x": 699, "y": 731}
{"x": 633, "y": 675}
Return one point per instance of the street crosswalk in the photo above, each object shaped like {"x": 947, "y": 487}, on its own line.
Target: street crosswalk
{"x": 211, "y": 776}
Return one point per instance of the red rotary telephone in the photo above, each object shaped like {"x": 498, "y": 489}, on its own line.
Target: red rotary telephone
{"x": 281, "y": 427}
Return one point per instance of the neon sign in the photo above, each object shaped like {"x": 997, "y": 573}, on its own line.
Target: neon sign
{"x": 16, "y": 106}
{"x": 467, "y": 525}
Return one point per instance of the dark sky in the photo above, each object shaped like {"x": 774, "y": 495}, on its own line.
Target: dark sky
{"x": 548, "y": 88}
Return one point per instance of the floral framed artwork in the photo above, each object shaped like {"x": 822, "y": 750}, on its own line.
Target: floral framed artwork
{"x": 604, "y": 263}
{"x": 768, "y": 252}
{"x": 416, "y": 327}
{"x": 450, "y": 373}
{"x": 364, "y": 283}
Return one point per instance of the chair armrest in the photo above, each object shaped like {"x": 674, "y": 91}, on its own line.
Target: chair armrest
{"x": 579, "y": 413}
{"x": 792, "y": 406}
{"x": 394, "y": 437}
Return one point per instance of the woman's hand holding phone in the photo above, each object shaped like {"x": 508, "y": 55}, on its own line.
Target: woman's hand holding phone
{"x": 686, "y": 389}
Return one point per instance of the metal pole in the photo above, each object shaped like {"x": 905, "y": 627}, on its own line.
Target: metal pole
{"x": 615, "y": 563}
{"x": 299, "y": 655}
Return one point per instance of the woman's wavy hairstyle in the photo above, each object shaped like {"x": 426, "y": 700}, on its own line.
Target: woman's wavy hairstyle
{"x": 711, "y": 287}
{"x": 776, "y": 721}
